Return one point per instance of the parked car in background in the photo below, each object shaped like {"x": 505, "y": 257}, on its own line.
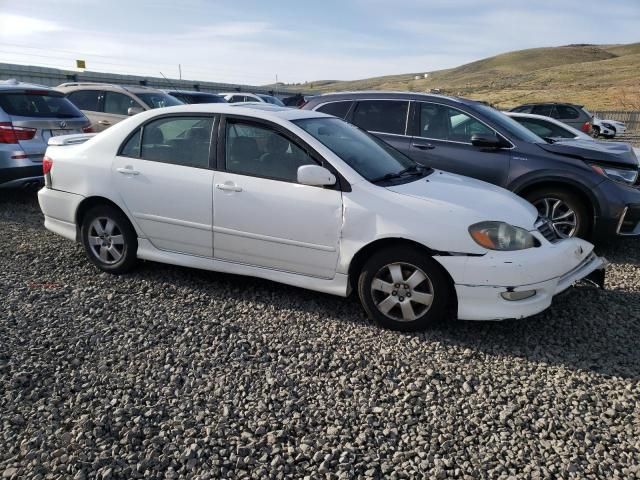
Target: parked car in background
{"x": 617, "y": 126}
{"x": 106, "y": 104}
{"x": 29, "y": 116}
{"x": 189, "y": 96}
{"x": 237, "y": 97}
{"x": 553, "y": 130}
{"x": 601, "y": 128}
{"x": 574, "y": 115}
{"x": 585, "y": 189}
{"x": 306, "y": 199}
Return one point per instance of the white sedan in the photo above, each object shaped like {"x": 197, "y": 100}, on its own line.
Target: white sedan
{"x": 305, "y": 199}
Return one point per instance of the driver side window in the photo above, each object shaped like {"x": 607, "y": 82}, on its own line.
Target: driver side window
{"x": 440, "y": 122}
{"x": 259, "y": 151}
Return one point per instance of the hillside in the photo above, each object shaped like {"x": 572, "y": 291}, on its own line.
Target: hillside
{"x": 598, "y": 76}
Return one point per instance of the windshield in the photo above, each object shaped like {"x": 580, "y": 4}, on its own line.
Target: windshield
{"x": 272, "y": 100}
{"x": 508, "y": 124}
{"x": 366, "y": 154}
{"x": 39, "y": 104}
{"x": 158, "y": 100}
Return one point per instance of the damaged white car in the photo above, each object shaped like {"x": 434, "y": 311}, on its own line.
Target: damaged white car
{"x": 306, "y": 199}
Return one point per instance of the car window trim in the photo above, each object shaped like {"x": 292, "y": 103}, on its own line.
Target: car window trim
{"x": 417, "y": 125}
{"x": 341, "y": 184}
{"x": 356, "y": 102}
{"x": 212, "y": 139}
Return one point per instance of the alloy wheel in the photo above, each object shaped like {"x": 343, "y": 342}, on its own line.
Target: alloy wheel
{"x": 402, "y": 292}
{"x": 562, "y": 217}
{"x": 106, "y": 241}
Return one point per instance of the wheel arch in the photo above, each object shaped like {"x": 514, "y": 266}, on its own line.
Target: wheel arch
{"x": 565, "y": 183}
{"x": 362, "y": 255}
{"x": 89, "y": 202}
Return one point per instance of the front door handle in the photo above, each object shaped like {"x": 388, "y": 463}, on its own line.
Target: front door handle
{"x": 228, "y": 187}
{"x": 128, "y": 170}
{"x": 104, "y": 122}
{"x": 423, "y": 146}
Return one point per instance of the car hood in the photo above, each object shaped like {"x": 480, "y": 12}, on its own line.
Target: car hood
{"x": 477, "y": 200}
{"x": 609, "y": 152}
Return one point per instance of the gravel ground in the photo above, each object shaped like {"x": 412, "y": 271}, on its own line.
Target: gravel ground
{"x": 176, "y": 373}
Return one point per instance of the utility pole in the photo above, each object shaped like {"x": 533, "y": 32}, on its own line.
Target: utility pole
{"x": 180, "y": 71}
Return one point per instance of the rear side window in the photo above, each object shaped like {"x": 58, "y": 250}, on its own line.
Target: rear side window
{"x": 565, "y": 111}
{"x": 132, "y": 147}
{"x": 546, "y": 110}
{"x": 384, "y": 116}
{"x": 38, "y": 104}
{"x": 177, "y": 140}
{"x": 118, "y": 104}
{"x": 337, "y": 109}
{"x": 522, "y": 109}
{"x": 86, "y": 99}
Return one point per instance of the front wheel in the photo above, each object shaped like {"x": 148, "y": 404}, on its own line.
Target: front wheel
{"x": 404, "y": 289}
{"x": 567, "y": 213}
{"x": 109, "y": 239}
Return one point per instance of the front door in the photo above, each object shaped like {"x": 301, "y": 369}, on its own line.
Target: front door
{"x": 262, "y": 216}
{"x": 165, "y": 182}
{"x": 442, "y": 140}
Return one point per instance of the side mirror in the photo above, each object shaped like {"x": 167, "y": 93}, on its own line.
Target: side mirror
{"x": 483, "y": 140}
{"x": 315, "y": 175}
{"x": 134, "y": 110}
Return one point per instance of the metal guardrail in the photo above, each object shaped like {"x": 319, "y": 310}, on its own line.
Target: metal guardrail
{"x": 53, "y": 77}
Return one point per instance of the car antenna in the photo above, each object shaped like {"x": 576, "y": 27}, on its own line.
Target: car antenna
{"x": 170, "y": 84}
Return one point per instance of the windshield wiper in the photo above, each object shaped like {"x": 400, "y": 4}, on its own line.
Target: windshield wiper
{"x": 412, "y": 170}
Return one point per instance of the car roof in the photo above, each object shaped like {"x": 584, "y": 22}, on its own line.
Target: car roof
{"x": 115, "y": 86}
{"x": 401, "y": 95}
{"x": 551, "y": 103}
{"x": 13, "y": 84}
{"x": 191, "y": 92}
{"x": 265, "y": 111}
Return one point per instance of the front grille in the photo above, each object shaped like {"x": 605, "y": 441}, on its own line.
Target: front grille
{"x": 544, "y": 227}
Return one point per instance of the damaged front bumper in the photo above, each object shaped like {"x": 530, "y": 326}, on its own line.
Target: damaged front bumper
{"x": 503, "y": 285}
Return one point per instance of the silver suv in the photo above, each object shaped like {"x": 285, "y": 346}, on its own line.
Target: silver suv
{"x": 106, "y": 104}
{"x": 29, "y": 116}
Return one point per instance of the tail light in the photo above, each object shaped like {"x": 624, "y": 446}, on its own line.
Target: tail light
{"x": 586, "y": 127}
{"x": 47, "y": 164}
{"x": 11, "y": 134}
{"x": 87, "y": 129}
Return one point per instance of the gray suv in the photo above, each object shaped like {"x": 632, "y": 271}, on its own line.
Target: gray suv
{"x": 106, "y": 104}
{"x": 583, "y": 188}
{"x": 573, "y": 115}
{"x": 29, "y": 116}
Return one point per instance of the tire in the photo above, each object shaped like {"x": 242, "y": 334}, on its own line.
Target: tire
{"x": 544, "y": 200}
{"x": 385, "y": 266}
{"x": 117, "y": 249}
{"x": 595, "y": 133}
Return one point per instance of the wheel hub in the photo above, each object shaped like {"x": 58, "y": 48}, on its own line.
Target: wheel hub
{"x": 402, "y": 292}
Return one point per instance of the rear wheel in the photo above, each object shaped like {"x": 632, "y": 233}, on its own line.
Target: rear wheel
{"x": 404, "y": 289}
{"x": 595, "y": 131}
{"x": 567, "y": 213}
{"x": 109, "y": 239}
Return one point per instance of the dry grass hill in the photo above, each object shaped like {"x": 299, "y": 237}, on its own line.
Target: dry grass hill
{"x": 598, "y": 76}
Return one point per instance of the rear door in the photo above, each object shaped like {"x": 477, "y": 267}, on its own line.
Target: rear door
{"x": 90, "y": 102}
{"x": 386, "y": 119}
{"x": 442, "y": 140}
{"x": 163, "y": 176}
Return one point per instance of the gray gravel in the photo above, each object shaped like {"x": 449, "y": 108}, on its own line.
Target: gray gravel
{"x": 176, "y": 373}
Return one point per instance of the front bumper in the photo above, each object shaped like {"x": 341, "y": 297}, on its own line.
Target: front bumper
{"x": 480, "y": 282}
{"x": 619, "y": 212}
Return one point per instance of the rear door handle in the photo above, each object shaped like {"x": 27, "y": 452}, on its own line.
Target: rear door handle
{"x": 104, "y": 122}
{"x": 228, "y": 187}
{"x": 127, "y": 171}
{"x": 423, "y": 146}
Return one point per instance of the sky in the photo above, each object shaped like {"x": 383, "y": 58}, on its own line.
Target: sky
{"x": 255, "y": 42}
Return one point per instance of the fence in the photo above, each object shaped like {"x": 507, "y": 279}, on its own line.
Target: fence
{"x": 631, "y": 118}
{"x": 54, "y": 76}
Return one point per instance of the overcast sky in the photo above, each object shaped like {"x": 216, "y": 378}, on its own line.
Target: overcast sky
{"x": 253, "y": 41}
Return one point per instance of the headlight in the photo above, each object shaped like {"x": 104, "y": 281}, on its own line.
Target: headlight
{"x": 617, "y": 174}
{"x": 501, "y": 236}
